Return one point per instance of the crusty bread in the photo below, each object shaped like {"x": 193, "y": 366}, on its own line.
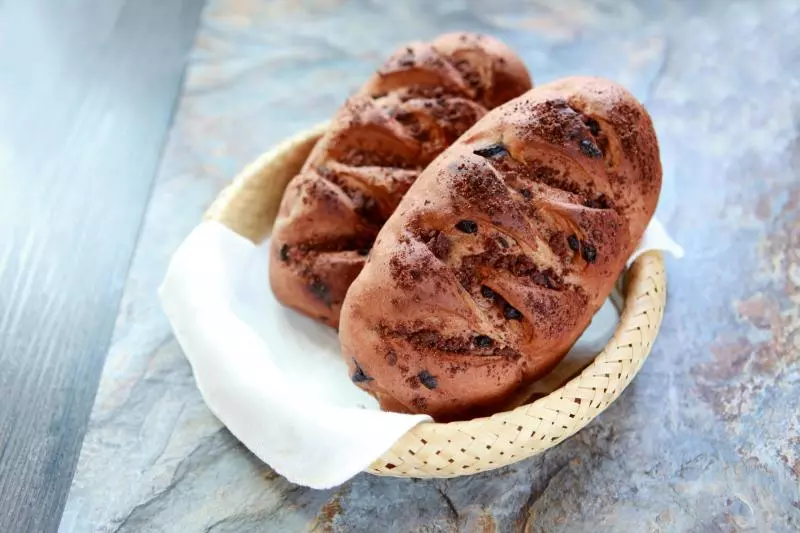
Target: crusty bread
{"x": 415, "y": 106}
{"x": 497, "y": 258}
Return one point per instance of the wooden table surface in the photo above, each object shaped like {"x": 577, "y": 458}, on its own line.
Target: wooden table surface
{"x": 121, "y": 120}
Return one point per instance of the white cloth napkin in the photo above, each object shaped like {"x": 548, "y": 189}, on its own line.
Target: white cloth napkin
{"x": 276, "y": 379}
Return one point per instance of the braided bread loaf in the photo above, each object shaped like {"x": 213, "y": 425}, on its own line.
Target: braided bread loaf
{"x": 497, "y": 258}
{"x": 415, "y": 106}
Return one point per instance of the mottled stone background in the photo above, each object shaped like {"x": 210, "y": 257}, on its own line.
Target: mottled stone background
{"x": 707, "y": 438}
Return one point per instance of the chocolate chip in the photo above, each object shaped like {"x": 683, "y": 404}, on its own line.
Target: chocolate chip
{"x": 467, "y": 226}
{"x": 285, "y": 252}
{"x": 482, "y": 341}
{"x": 511, "y": 313}
{"x": 369, "y": 209}
{"x": 428, "y": 380}
{"x": 572, "y": 240}
{"x": 391, "y": 358}
{"x": 487, "y": 292}
{"x": 363, "y": 251}
{"x": 546, "y": 279}
{"x": 359, "y": 376}
{"x": 590, "y": 149}
{"x": 601, "y": 202}
{"x": 439, "y": 245}
{"x": 526, "y": 193}
{"x": 491, "y": 151}
{"x": 593, "y": 126}
{"x": 588, "y": 252}
{"x": 320, "y": 291}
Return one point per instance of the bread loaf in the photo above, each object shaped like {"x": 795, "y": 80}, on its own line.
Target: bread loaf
{"x": 415, "y": 106}
{"x": 499, "y": 255}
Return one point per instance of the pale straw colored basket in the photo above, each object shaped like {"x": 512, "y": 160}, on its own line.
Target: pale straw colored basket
{"x": 249, "y": 206}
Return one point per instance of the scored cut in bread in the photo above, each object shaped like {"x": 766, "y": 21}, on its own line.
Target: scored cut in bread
{"x": 417, "y": 104}
{"x": 498, "y": 256}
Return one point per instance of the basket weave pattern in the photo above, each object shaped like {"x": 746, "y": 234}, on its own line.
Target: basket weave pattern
{"x": 249, "y": 206}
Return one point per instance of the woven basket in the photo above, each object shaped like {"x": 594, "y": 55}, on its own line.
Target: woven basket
{"x": 249, "y": 206}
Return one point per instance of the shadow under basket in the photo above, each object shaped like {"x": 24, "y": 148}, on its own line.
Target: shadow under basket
{"x": 249, "y": 206}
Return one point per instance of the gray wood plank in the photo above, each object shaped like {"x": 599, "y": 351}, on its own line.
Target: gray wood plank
{"x": 87, "y": 91}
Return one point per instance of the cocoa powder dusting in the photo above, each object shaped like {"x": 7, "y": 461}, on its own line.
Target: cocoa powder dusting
{"x": 496, "y": 258}
{"x": 412, "y": 382}
{"x": 472, "y": 78}
{"x": 554, "y": 178}
{"x": 558, "y": 243}
{"x": 476, "y": 183}
{"x": 362, "y": 157}
{"x": 419, "y": 402}
{"x": 430, "y": 339}
{"x": 553, "y": 315}
{"x": 553, "y": 121}
{"x": 407, "y": 274}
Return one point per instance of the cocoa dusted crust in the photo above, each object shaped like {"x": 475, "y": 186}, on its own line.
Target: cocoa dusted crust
{"x": 495, "y": 261}
{"x": 417, "y": 104}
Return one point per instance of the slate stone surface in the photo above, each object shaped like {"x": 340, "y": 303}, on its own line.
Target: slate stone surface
{"x": 707, "y": 438}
